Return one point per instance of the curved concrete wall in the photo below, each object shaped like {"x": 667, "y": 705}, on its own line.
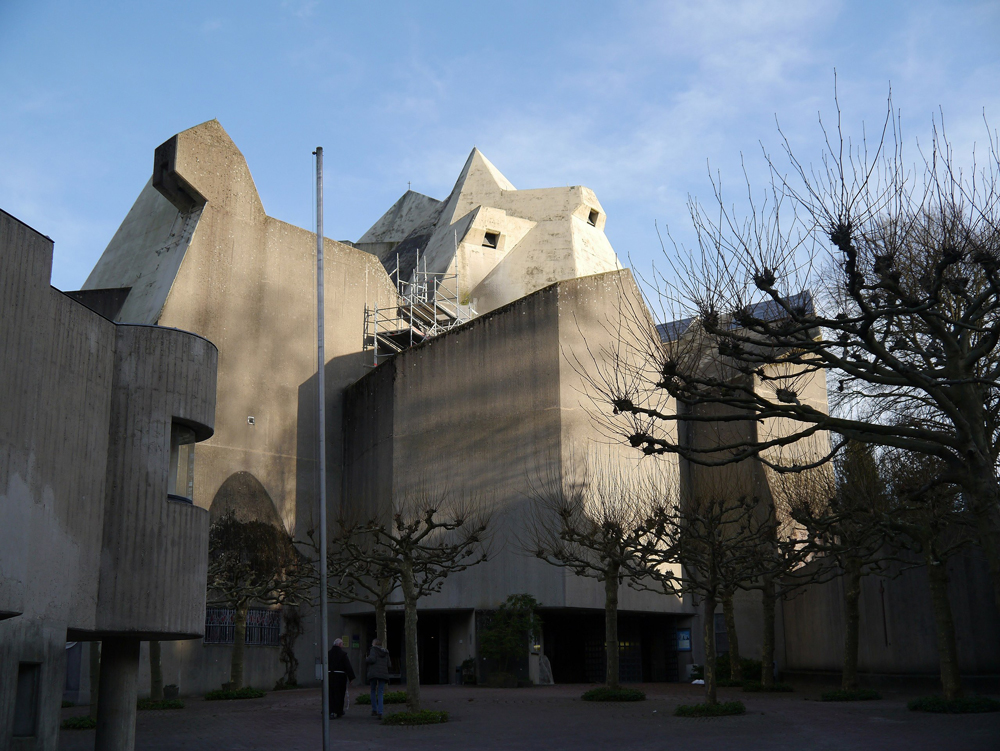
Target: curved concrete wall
{"x": 155, "y": 551}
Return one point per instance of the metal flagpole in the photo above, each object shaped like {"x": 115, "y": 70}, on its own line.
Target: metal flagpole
{"x": 320, "y": 380}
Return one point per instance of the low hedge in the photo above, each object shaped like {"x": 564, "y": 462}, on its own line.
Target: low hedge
{"x": 751, "y": 669}
{"x": 389, "y": 697}
{"x": 81, "y": 722}
{"x": 961, "y": 705}
{"x": 603, "y": 693}
{"x": 757, "y": 686}
{"x": 721, "y": 709}
{"x": 246, "y": 692}
{"x": 728, "y": 683}
{"x": 856, "y": 694}
{"x": 423, "y": 717}
{"x": 159, "y": 704}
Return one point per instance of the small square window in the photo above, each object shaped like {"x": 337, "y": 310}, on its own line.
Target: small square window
{"x": 592, "y": 219}
{"x": 491, "y": 239}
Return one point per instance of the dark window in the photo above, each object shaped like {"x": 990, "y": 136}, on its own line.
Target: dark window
{"x": 29, "y": 675}
{"x": 592, "y": 219}
{"x": 491, "y": 239}
{"x": 263, "y": 626}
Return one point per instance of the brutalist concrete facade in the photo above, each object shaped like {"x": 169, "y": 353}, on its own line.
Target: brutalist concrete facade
{"x": 92, "y": 546}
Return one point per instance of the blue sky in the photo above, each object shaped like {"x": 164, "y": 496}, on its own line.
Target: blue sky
{"x": 632, "y": 99}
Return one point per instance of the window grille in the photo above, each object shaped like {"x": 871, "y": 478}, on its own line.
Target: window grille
{"x": 263, "y": 626}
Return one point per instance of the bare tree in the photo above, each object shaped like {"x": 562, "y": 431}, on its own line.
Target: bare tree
{"x": 884, "y": 282}
{"x": 250, "y": 563}
{"x": 356, "y": 572}
{"x": 842, "y": 517}
{"x": 927, "y": 516}
{"x": 715, "y": 538}
{"x": 428, "y": 537}
{"x": 594, "y": 523}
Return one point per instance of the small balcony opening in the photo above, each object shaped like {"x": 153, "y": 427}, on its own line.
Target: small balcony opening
{"x": 491, "y": 239}
{"x": 592, "y": 219}
{"x": 180, "y": 479}
{"x": 29, "y": 678}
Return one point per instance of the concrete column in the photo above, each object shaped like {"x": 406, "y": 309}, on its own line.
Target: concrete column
{"x": 117, "y": 695}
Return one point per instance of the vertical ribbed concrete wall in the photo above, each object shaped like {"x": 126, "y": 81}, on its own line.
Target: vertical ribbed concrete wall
{"x": 83, "y": 468}
{"x": 155, "y": 551}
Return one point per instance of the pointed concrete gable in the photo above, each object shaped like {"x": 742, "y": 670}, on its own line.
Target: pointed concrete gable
{"x": 479, "y": 184}
{"x": 406, "y": 214}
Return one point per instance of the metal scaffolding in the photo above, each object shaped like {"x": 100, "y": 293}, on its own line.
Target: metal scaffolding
{"x": 426, "y": 305}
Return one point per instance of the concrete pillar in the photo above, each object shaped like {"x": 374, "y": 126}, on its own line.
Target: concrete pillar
{"x": 117, "y": 695}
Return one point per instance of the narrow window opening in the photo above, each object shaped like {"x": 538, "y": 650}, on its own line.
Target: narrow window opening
{"x": 491, "y": 239}
{"x": 26, "y": 700}
{"x": 180, "y": 479}
{"x": 592, "y": 219}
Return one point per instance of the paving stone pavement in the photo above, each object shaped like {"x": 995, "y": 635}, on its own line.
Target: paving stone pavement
{"x": 553, "y": 717}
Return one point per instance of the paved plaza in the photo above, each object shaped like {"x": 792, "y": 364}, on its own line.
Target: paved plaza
{"x": 553, "y": 718}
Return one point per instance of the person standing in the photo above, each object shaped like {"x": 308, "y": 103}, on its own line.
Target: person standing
{"x": 378, "y": 675}
{"x": 341, "y": 673}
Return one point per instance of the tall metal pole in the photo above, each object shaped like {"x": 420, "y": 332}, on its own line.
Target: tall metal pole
{"x": 320, "y": 380}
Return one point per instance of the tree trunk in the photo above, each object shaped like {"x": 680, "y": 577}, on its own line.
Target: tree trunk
{"x": 852, "y": 618}
{"x": 735, "y": 668}
{"x": 708, "y": 633}
{"x": 155, "y": 672}
{"x": 611, "y": 625}
{"x": 937, "y": 575}
{"x": 381, "y": 632}
{"x": 95, "y": 676}
{"x": 410, "y": 617}
{"x": 768, "y": 601}
{"x": 239, "y": 646}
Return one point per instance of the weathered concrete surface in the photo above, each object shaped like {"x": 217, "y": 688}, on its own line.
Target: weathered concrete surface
{"x": 89, "y": 544}
{"x": 247, "y": 282}
{"x": 491, "y": 413}
{"x": 897, "y": 634}
{"x": 502, "y": 242}
{"x": 116, "y": 705}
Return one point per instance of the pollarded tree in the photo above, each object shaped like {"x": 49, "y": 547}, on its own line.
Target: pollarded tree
{"x": 428, "y": 537}
{"x": 596, "y": 526}
{"x": 252, "y": 562}
{"x": 928, "y": 516}
{"x": 887, "y": 283}
{"x": 842, "y": 516}
{"x": 355, "y": 572}
{"x": 716, "y": 540}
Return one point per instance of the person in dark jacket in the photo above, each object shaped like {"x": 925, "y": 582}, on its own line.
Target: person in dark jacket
{"x": 341, "y": 673}
{"x": 378, "y": 675}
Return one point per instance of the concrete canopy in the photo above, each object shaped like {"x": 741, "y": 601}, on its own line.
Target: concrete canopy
{"x": 503, "y": 243}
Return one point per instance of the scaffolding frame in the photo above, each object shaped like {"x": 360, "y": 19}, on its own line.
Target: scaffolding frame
{"x": 426, "y": 306}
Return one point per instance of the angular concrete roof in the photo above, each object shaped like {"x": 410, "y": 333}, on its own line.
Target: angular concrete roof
{"x": 502, "y": 243}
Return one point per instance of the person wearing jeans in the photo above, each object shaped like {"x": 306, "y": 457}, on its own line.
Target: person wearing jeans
{"x": 378, "y": 675}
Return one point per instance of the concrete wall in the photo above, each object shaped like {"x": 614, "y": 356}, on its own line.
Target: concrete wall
{"x": 491, "y": 412}
{"x": 247, "y": 282}
{"x": 90, "y": 547}
{"x": 897, "y": 634}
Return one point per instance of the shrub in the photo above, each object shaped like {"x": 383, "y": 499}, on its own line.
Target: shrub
{"x": 500, "y": 679}
{"x": 423, "y": 717}
{"x": 603, "y": 693}
{"x": 239, "y": 693}
{"x": 961, "y": 705}
{"x": 756, "y": 686}
{"x": 710, "y": 710}
{"x": 82, "y": 722}
{"x": 857, "y": 694}
{"x": 389, "y": 697}
{"x": 68, "y": 704}
{"x": 159, "y": 704}
{"x": 751, "y": 668}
